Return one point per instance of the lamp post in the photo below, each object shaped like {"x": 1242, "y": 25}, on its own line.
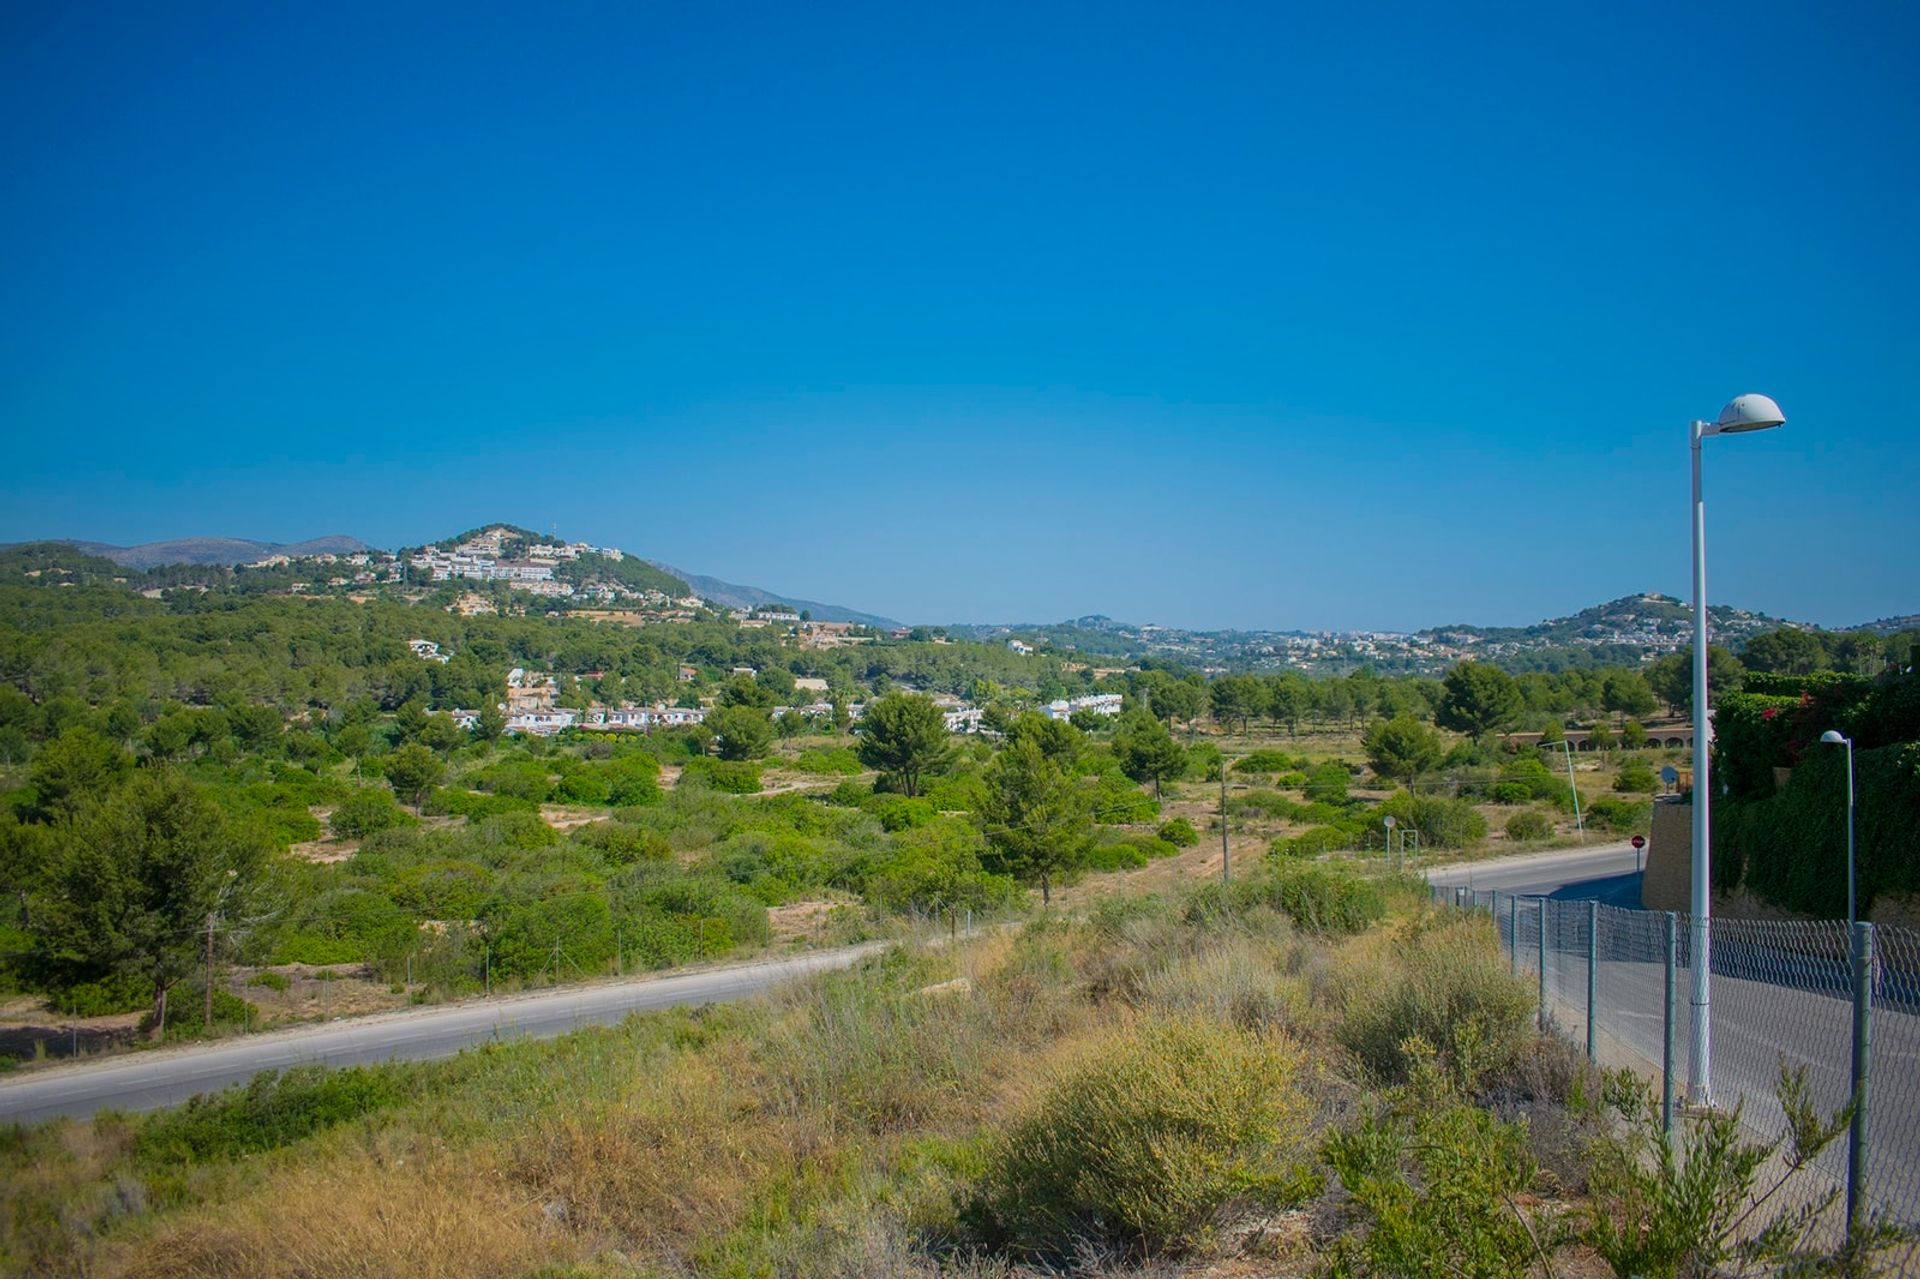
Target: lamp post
{"x": 1833, "y": 738}
{"x": 1743, "y": 413}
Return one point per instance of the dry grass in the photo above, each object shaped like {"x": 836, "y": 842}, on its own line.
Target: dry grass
{"x": 834, "y": 1130}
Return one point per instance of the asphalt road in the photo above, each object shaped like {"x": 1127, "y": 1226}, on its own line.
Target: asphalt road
{"x": 1770, "y": 1002}
{"x": 166, "y": 1077}
{"x": 1605, "y": 872}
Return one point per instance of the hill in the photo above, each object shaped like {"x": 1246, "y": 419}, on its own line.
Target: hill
{"x": 733, "y": 595}
{"x": 212, "y": 550}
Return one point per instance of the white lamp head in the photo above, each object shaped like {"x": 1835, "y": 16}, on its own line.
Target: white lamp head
{"x": 1748, "y": 413}
{"x": 1832, "y": 737}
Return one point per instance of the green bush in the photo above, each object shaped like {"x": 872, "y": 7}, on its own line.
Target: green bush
{"x": 1511, "y": 793}
{"x": 731, "y": 777}
{"x": 1439, "y": 1185}
{"x": 836, "y": 759}
{"x": 1319, "y": 899}
{"x": 270, "y": 1111}
{"x": 1267, "y": 761}
{"x": 270, "y": 981}
{"x": 1316, "y": 840}
{"x": 364, "y": 811}
{"x": 1179, "y": 832}
{"x": 1116, "y": 856}
{"x": 117, "y": 993}
{"x": 1445, "y": 986}
{"x": 1529, "y": 825}
{"x": 1636, "y": 778}
{"x": 1119, "y": 802}
{"x": 1791, "y": 848}
{"x": 1143, "y": 1143}
{"x": 1327, "y": 783}
{"x": 1618, "y": 813}
{"x": 1442, "y": 822}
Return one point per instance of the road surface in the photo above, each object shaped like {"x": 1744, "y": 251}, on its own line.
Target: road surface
{"x": 1771, "y": 1001}
{"x": 166, "y": 1077}
{"x": 1609, "y": 873}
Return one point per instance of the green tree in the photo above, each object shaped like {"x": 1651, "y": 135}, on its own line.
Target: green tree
{"x": 1147, "y": 751}
{"x": 1288, "y": 700}
{"x": 412, "y": 771}
{"x": 905, "y": 737}
{"x": 1057, "y": 739}
{"x": 138, "y": 875}
{"x": 1036, "y": 816}
{"x": 489, "y": 724}
{"x": 1627, "y": 693}
{"x": 1171, "y": 698}
{"x": 1402, "y": 748}
{"x": 743, "y": 732}
{"x": 1237, "y": 699}
{"x": 77, "y": 766}
{"x": 1633, "y": 735}
{"x": 744, "y": 690}
{"x": 1787, "y": 651}
{"x": 441, "y": 734}
{"x": 1671, "y": 678}
{"x": 1480, "y": 699}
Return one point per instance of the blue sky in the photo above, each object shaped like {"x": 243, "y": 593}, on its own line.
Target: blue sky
{"x": 1328, "y": 316}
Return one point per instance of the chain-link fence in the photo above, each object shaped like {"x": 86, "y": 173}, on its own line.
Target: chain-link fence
{"x": 1814, "y": 995}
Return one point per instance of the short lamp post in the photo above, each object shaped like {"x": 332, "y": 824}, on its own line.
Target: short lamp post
{"x": 1833, "y": 738}
{"x": 1742, "y": 414}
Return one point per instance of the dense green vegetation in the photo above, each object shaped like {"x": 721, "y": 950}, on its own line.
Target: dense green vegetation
{"x": 212, "y": 773}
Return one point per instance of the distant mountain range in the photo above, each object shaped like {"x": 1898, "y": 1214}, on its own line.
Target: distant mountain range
{"x": 733, "y": 595}
{"x": 211, "y": 550}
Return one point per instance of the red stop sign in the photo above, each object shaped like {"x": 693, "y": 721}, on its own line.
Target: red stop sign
{"x": 1639, "y": 841}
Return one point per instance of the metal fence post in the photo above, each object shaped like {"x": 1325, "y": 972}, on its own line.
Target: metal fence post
{"x": 1542, "y": 940}
{"x": 1666, "y": 1043}
{"x": 1593, "y": 969}
{"x": 1857, "y": 1134}
{"x": 1513, "y": 933}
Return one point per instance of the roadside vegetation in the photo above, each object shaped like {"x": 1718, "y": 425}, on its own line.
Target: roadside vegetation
{"x": 223, "y": 809}
{"x": 1307, "y": 1072}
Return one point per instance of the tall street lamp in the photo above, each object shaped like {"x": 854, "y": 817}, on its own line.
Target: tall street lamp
{"x": 1834, "y": 738}
{"x": 1743, "y": 413}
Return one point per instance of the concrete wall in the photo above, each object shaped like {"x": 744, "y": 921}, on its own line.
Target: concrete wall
{"x": 1668, "y": 883}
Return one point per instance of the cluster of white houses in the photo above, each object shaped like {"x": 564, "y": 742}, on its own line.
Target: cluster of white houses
{"x": 1098, "y": 703}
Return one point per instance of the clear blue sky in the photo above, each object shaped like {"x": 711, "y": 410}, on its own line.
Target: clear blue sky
{"x": 1318, "y": 316}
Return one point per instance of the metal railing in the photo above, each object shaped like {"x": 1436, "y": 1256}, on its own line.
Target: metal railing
{"x": 1841, "y": 1002}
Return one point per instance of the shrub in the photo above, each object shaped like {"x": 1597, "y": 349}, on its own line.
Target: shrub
{"x": 1119, "y": 856}
{"x": 1529, "y": 825}
{"x": 270, "y": 981}
{"x": 270, "y": 1111}
{"x": 117, "y": 993}
{"x": 1267, "y": 761}
{"x": 1327, "y": 783}
{"x": 836, "y": 759}
{"x": 1320, "y": 899}
{"x": 1618, "y": 813}
{"x": 1511, "y": 793}
{"x": 366, "y": 810}
{"x": 1145, "y": 1141}
{"x": 1316, "y": 840}
{"x": 1179, "y": 832}
{"x": 1447, "y": 987}
{"x": 732, "y": 777}
{"x": 1443, "y": 822}
{"x": 1119, "y": 802}
{"x": 1439, "y": 1185}
{"x": 1636, "y": 777}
